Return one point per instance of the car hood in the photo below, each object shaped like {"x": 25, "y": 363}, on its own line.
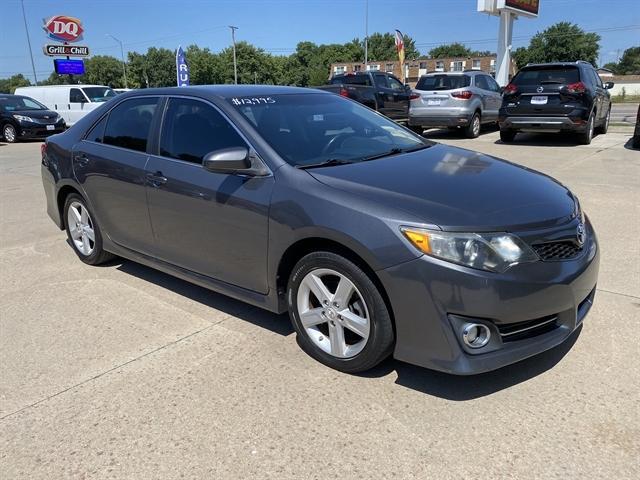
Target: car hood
{"x": 41, "y": 114}
{"x": 457, "y": 189}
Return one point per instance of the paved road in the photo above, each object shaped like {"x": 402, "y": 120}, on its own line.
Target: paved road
{"x": 124, "y": 372}
{"x": 624, "y": 112}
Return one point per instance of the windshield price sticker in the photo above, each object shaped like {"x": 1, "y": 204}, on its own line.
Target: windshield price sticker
{"x": 252, "y": 101}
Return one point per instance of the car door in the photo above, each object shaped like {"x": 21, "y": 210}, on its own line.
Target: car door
{"x": 601, "y": 98}
{"x": 494, "y": 98}
{"x": 214, "y": 224}
{"x": 400, "y": 97}
{"x": 109, "y": 163}
{"x": 76, "y": 106}
{"x": 384, "y": 95}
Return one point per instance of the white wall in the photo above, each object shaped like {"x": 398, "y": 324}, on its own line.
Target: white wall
{"x": 629, "y": 88}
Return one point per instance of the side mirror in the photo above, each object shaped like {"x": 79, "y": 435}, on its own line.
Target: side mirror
{"x": 608, "y": 85}
{"x": 501, "y": 89}
{"x": 227, "y": 160}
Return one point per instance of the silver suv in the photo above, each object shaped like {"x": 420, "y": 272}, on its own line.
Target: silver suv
{"x": 455, "y": 100}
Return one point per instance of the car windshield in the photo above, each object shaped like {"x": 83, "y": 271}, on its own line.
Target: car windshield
{"x": 99, "y": 94}
{"x": 547, "y": 75}
{"x": 17, "y": 103}
{"x": 311, "y": 129}
{"x": 443, "y": 82}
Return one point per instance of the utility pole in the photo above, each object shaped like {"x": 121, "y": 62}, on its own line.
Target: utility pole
{"x": 124, "y": 68}
{"x": 235, "y": 63}
{"x": 366, "y": 34}
{"x": 33, "y": 65}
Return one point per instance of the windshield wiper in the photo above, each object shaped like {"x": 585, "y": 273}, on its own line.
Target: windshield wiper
{"x": 327, "y": 163}
{"x": 394, "y": 151}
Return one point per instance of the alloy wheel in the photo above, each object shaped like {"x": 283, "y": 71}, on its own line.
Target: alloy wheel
{"x": 9, "y": 133}
{"x": 333, "y": 313}
{"x": 81, "y": 228}
{"x": 476, "y": 126}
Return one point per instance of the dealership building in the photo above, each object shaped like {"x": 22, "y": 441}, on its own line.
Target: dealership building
{"x": 415, "y": 68}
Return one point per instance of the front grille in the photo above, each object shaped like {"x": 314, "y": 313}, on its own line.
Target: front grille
{"x": 557, "y": 250}
{"x": 511, "y": 332}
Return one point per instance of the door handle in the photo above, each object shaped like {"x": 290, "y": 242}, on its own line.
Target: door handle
{"x": 156, "y": 179}
{"x": 81, "y": 158}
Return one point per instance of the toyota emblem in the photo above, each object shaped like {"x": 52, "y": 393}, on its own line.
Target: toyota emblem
{"x": 540, "y": 89}
{"x": 581, "y": 234}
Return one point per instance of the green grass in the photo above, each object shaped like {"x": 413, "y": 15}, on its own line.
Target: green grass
{"x": 625, "y": 99}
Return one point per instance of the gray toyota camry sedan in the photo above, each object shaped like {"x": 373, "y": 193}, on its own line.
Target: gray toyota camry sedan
{"x": 375, "y": 240}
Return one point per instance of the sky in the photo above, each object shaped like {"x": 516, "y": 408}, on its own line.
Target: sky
{"x": 278, "y": 25}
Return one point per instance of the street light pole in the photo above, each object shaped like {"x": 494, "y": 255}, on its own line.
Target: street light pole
{"x": 124, "y": 68}
{"x": 33, "y": 65}
{"x": 366, "y": 34}
{"x": 235, "y": 64}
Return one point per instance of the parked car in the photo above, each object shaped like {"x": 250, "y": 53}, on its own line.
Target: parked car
{"x": 636, "y": 132}
{"x": 556, "y": 97}
{"x": 457, "y": 100}
{"x": 24, "y": 118}
{"x": 374, "y": 239}
{"x": 72, "y": 102}
{"x": 380, "y": 91}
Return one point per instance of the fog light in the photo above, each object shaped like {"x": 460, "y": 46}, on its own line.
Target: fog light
{"x": 475, "y": 335}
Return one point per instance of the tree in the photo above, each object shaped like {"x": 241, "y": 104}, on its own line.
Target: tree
{"x": 54, "y": 79}
{"x": 562, "y": 42}
{"x": 103, "y": 70}
{"x": 450, "y": 50}
{"x": 629, "y": 64}
{"x": 613, "y": 66}
{"x": 156, "y": 68}
{"x": 9, "y": 85}
{"x": 382, "y": 46}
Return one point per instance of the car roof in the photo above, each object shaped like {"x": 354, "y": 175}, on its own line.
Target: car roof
{"x": 225, "y": 91}
{"x": 558, "y": 64}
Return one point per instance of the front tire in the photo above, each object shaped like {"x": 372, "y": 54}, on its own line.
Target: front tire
{"x": 338, "y": 313}
{"x": 9, "y": 133}
{"x": 83, "y": 231}
{"x": 475, "y": 124}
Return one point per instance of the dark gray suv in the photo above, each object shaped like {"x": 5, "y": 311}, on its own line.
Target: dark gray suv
{"x": 375, "y": 240}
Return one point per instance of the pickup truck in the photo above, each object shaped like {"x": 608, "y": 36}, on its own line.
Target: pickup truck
{"x": 377, "y": 90}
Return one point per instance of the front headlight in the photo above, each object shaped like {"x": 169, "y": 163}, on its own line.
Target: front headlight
{"x": 495, "y": 252}
{"x": 23, "y": 118}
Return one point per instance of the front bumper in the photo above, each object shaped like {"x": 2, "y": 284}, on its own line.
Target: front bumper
{"x": 30, "y": 130}
{"x": 428, "y": 296}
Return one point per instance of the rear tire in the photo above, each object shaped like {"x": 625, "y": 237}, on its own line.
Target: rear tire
{"x": 602, "y": 129}
{"x": 507, "y": 136}
{"x": 83, "y": 231}
{"x": 349, "y": 328}
{"x": 475, "y": 124}
{"x": 416, "y": 129}
{"x": 585, "y": 137}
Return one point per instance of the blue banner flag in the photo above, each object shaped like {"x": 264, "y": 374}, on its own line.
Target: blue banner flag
{"x": 182, "y": 69}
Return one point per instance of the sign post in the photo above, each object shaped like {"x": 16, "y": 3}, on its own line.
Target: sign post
{"x": 508, "y": 11}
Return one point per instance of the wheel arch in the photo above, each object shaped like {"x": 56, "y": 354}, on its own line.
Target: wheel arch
{"x": 304, "y": 246}
{"x": 61, "y": 198}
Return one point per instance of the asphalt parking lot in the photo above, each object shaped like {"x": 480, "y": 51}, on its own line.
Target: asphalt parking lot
{"x": 124, "y": 372}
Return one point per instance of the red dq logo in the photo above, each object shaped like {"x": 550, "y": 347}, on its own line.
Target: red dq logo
{"x": 64, "y": 29}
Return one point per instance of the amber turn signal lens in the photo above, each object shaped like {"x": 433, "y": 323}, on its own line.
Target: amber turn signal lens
{"x": 419, "y": 239}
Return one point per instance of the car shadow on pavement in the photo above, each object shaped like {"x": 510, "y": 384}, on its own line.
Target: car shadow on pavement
{"x": 462, "y": 388}
{"x": 279, "y": 324}
{"x": 544, "y": 140}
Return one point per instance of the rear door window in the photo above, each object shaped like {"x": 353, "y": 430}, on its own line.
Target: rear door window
{"x": 481, "y": 82}
{"x": 192, "y": 128}
{"x": 547, "y": 76}
{"x": 129, "y": 123}
{"x": 443, "y": 82}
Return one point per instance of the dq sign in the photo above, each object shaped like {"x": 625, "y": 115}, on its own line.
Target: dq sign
{"x": 63, "y": 28}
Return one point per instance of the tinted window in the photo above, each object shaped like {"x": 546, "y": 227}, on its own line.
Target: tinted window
{"x": 76, "y": 96}
{"x": 309, "y": 128}
{"x": 99, "y": 94}
{"x": 395, "y": 84}
{"x": 381, "y": 80}
{"x": 352, "y": 80}
{"x": 443, "y": 82}
{"x": 129, "y": 124}
{"x": 547, "y": 75}
{"x": 14, "y": 102}
{"x": 191, "y": 129}
{"x": 481, "y": 82}
{"x": 597, "y": 81}
{"x": 493, "y": 85}
{"x": 97, "y": 132}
